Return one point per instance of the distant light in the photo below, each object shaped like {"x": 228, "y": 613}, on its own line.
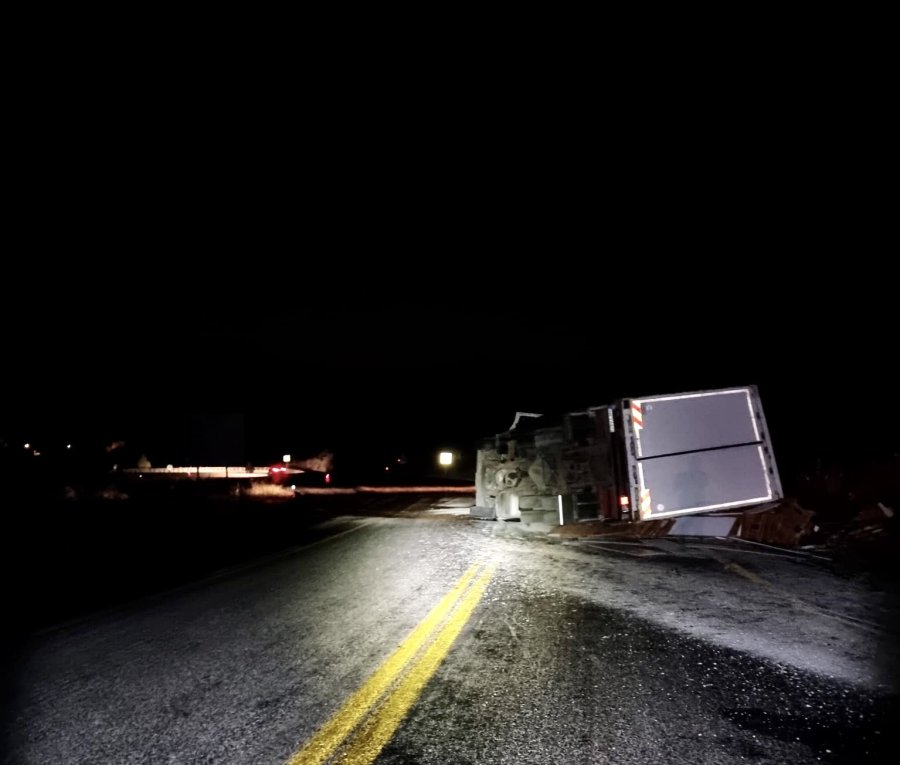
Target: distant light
{"x": 386, "y": 467}
{"x": 27, "y": 446}
{"x": 37, "y": 453}
{"x": 327, "y": 477}
{"x": 293, "y": 487}
{"x": 68, "y": 446}
{"x": 286, "y": 458}
{"x": 445, "y": 458}
{"x": 170, "y": 467}
{"x": 623, "y": 500}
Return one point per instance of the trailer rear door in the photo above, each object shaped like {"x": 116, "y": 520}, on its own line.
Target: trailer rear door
{"x": 697, "y": 452}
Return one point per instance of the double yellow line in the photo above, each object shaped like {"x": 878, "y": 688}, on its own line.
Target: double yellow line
{"x": 397, "y": 683}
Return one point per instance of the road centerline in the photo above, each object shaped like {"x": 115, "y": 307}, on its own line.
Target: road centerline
{"x": 332, "y": 734}
{"x": 380, "y": 727}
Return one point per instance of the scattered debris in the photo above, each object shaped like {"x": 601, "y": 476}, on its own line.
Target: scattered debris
{"x": 618, "y": 529}
{"x": 786, "y": 525}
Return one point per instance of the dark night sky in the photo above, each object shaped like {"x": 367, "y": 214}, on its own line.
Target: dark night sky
{"x": 418, "y": 275}
{"x": 315, "y": 357}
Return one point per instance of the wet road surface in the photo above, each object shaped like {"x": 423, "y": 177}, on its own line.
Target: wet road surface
{"x": 429, "y": 638}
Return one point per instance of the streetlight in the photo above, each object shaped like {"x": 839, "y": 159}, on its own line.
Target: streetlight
{"x": 445, "y": 460}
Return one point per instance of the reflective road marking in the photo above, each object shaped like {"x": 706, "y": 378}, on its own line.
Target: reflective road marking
{"x": 322, "y": 746}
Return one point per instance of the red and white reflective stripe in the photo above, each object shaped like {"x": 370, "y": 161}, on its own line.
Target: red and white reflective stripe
{"x": 646, "y": 504}
{"x": 637, "y": 415}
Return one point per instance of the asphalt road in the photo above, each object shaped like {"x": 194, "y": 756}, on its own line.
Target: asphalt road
{"x": 429, "y": 638}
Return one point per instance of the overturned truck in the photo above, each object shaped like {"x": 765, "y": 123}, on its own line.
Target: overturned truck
{"x": 636, "y": 459}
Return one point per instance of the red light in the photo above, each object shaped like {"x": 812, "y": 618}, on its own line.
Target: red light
{"x": 327, "y": 477}
{"x": 623, "y": 500}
